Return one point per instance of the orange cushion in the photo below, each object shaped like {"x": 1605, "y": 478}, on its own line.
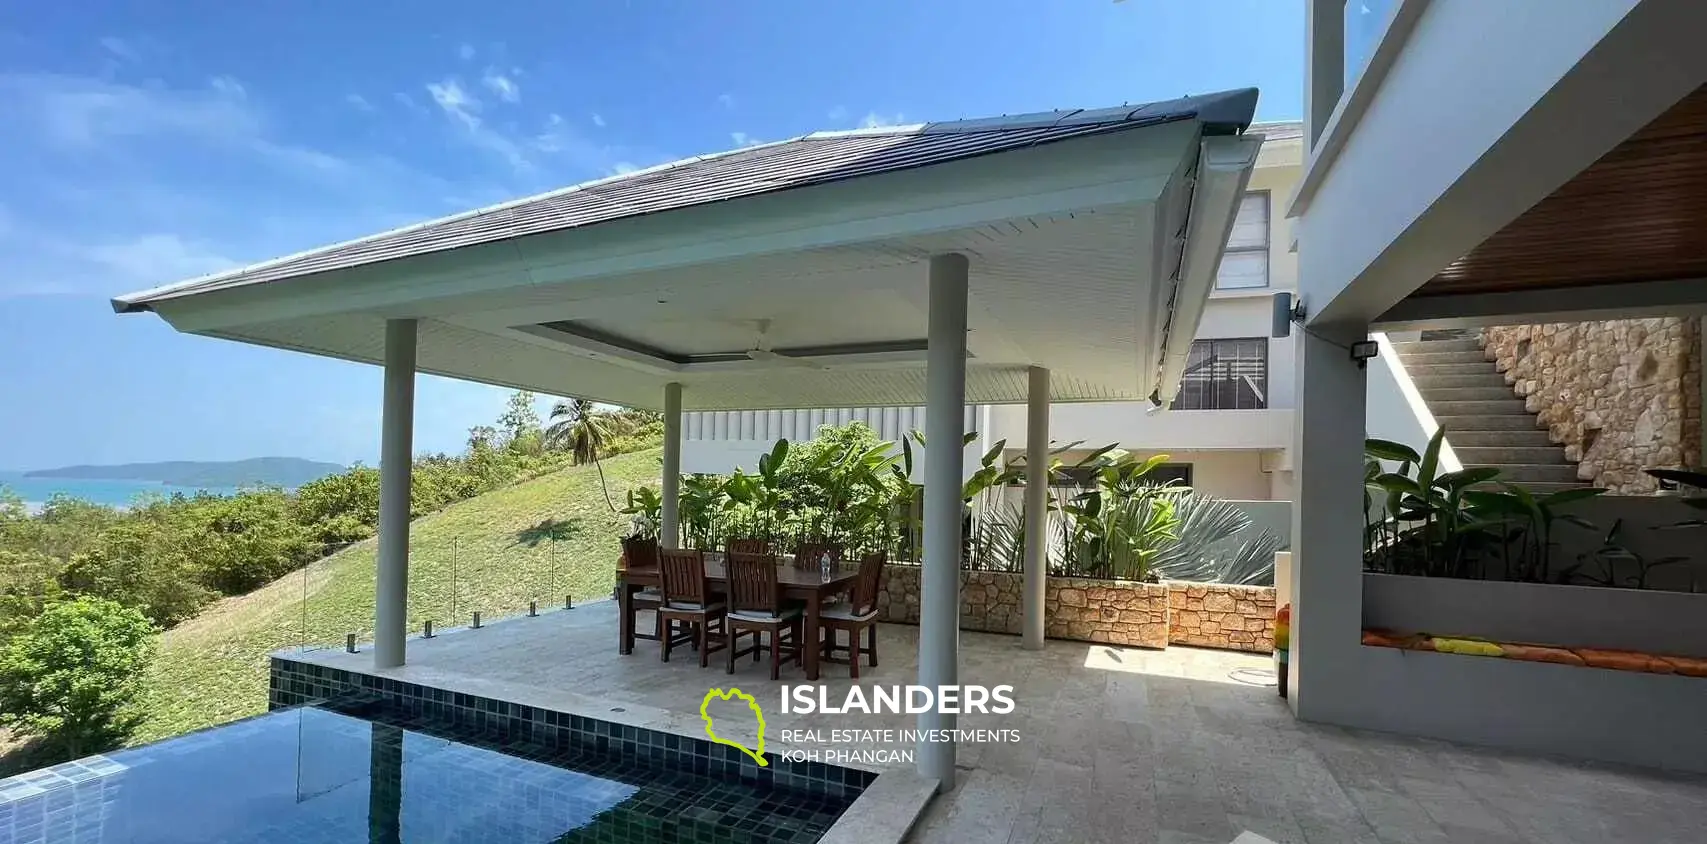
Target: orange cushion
{"x": 1390, "y": 639}
{"x": 1538, "y": 653}
{"x": 1689, "y": 666}
{"x": 1624, "y": 661}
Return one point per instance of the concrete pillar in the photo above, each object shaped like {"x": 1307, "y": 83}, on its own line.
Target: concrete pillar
{"x": 939, "y": 579}
{"x": 396, "y": 451}
{"x": 669, "y": 529}
{"x": 1036, "y": 506}
{"x": 1327, "y": 526}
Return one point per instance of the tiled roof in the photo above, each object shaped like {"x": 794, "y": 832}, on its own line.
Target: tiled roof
{"x": 808, "y": 160}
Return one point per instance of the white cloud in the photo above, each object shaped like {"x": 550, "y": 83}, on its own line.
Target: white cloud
{"x": 450, "y": 97}
{"x": 228, "y": 87}
{"x": 873, "y": 120}
{"x": 726, "y": 100}
{"x": 742, "y": 139}
{"x": 598, "y": 120}
{"x": 83, "y": 112}
{"x": 158, "y": 259}
{"x": 358, "y": 102}
{"x": 622, "y": 168}
{"x": 121, "y": 49}
{"x": 465, "y": 52}
{"x": 505, "y": 87}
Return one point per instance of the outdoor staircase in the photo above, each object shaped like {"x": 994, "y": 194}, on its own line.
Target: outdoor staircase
{"x": 1486, "y": 423}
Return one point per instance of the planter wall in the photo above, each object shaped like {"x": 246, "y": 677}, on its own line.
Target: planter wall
{"x": 1571, "y": 616}
{"x": 1116, "y": 612}
{"x": 1218, "y": 615}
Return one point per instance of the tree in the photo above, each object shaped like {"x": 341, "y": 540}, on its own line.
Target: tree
{"x": 72, "y": 677}
{"x": 579, "y": 427}
{"x": 520, "y": 423}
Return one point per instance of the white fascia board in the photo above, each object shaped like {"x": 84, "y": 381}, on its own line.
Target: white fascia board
{"x": 1223, "y": 172}
{"x": 1120, "y": 168}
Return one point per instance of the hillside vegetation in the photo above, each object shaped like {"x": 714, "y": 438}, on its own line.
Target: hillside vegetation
{"x": 495, "y": 552}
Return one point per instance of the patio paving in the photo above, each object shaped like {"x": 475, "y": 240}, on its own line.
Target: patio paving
{"x": 1182, "y": 746}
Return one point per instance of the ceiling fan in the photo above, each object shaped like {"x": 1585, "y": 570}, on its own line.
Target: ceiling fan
{"x": 762, "y": 353}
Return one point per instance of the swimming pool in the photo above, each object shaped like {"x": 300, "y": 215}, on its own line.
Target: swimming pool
{"x": 365, "y": 771}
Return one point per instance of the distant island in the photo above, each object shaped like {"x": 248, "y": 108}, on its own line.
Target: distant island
{"x": 288, "y": 472}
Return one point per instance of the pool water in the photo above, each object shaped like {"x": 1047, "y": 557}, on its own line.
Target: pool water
{"x": 312, "y": 774}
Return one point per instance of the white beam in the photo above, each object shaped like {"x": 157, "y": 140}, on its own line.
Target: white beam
{"x": 396, "y": 451}
{"x": 939, "y": 581}
{"x": 1635, "y": 300}
{"x": 1036, "y": 507}
{"x": 669, "y": 528}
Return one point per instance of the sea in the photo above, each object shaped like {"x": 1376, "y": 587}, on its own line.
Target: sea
{"x": 36, "y": 491}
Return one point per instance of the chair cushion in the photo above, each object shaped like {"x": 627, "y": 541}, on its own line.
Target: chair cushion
{"x": 788, "y": 614}
{"x": 684, "y": 606}
{"x": 845, "y": 612}
{"x": 649, "y": 595}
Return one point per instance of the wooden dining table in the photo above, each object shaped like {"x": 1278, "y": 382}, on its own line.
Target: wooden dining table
{"x": 803, "y": 584}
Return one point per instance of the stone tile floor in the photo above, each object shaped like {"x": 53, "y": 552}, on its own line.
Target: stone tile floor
{"x": 1181, "y": 746}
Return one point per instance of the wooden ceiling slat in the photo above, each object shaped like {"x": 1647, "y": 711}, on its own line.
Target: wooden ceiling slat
{"x": 1638, "y": 214}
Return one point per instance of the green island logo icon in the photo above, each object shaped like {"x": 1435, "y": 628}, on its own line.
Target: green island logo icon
{"x": 711, "y": 732}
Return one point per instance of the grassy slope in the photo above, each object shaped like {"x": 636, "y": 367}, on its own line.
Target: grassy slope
{"x": 535, "y": 540}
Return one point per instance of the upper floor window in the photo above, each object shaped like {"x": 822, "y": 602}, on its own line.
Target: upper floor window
{"x": 1225, "y": 375}
{"x": 1245, "y": 263}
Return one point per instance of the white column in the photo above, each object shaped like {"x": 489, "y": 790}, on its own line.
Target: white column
{"x": 1324, "y": 58}
{"x": 939, "y": 580}
{"x": 396, "y": 451}
{"x": 1327, "y": 525}
{"x": 669, "y": 531}
{"x": 1036, "y": 506}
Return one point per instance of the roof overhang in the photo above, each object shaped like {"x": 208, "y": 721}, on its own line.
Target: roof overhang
{"x": 1092, "y": 255}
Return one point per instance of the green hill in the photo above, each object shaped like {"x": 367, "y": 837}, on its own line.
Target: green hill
{"x": 531, "y": 541}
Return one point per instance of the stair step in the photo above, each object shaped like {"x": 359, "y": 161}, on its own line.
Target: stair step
{"x": 1480, "y": 407}
{"x": 1430, "y": 358}
{"x": 1456, "y": 394}
{"x": 1544, "y": 487}
{"x": 1464, "y": 345}
{"x": 1523, "y": 473}
{"x": 1506, "y": 455}
{"x": 1462, "y": 439}
{"x": 1455, "y": 425}
{"x": 1479, "y": 367}
{"x": 1427, "y": 379}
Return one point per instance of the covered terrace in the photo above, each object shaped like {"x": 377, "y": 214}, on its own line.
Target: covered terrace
{"x": 1062, "y": 256}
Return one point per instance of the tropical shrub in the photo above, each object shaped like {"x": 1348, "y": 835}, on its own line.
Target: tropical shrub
{"x": 72, "y": 676}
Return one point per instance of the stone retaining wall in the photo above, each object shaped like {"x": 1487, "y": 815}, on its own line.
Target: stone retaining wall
{"x": 1118, "y": 612}
{"x": 1620, "y": 395}
{"x": 1218, "y": 615}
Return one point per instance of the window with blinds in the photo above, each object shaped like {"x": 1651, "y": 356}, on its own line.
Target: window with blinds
{"x": 1225, "y": 375}
{"x": 1245, "y": 263}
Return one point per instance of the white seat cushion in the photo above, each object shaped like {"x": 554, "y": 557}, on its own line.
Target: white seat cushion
{"x": 649, "y": 594}
{"x": 845, "y": 612}
{"x": 683, "y": 606}
{"x": 754, "y": 615}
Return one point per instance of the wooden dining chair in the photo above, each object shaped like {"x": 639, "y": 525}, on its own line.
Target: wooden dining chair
{"x": 755, "y": 607}
{"x": 808, "y": 554}
{"x": 687, "y": 601}
{"x": 638, "y": 552}
{"x": 749, "y": 546}
{"x": 856, "y": 616}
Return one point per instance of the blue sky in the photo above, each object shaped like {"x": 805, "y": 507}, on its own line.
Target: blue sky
{"x": 150, "y": 142}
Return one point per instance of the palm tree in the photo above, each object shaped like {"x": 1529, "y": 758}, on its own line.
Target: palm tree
{"x": 579, "y": 427}
{"x": 582, "y": 429}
